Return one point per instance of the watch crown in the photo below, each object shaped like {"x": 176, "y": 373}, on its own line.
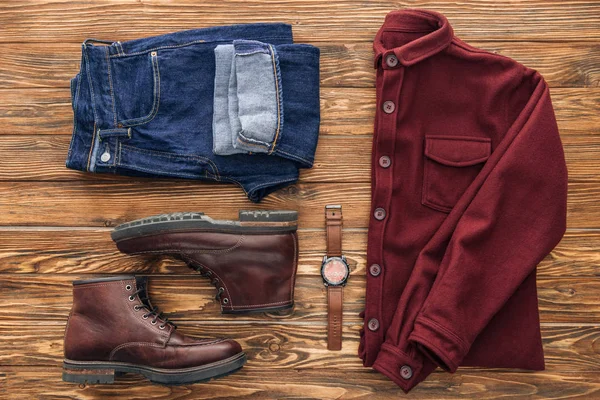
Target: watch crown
{"x": 344, "y": 258}
{"x": 324, "y": 259}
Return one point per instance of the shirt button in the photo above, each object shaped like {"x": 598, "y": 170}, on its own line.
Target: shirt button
{"x": 391, "y": 61}
{"x": 389, "y": 107}
{"x": 373, "y": 324}
{"x": 385, "y": 161}
{"x": 375, "y": 269}
{"x": 379, "y": 214}
{"x": 406, "y": 372}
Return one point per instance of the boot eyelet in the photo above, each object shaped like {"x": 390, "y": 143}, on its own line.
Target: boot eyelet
{"x": 131, "y": 298}
{"x": 225, "y": 300}
{"x": 136, "y": 307}
{"x": 144, "y": 316}
{"x": 153, "y": 322}
{"x": 128, "y": 287}
{"x": 161, "y": 327}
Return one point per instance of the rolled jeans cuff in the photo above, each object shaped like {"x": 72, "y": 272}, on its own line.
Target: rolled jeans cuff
{"x": 266, "y": 100}
{"x": 404, "y": 370}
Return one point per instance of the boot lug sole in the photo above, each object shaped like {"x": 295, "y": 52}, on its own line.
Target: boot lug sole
{"x": 249, "y": 222}
{"x": 101, "y": 372}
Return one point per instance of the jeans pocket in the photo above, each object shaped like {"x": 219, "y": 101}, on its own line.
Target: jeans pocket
{"x": 135, "y": 87}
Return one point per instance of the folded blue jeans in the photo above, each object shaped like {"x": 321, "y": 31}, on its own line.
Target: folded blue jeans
{"x": 152, "y": 107}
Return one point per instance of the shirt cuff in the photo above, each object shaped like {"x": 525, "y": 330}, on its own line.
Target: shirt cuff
{"x": 404, "y": 370}
{"x": 438, "y": 343}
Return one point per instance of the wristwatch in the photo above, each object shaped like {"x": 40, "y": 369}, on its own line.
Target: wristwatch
{"x": 335, "y": 272}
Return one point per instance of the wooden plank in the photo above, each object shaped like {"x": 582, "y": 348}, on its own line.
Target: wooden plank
{"x": 287, "y": 347}
{"x": 83, "y": 251}
{"x": 313, "y": 20}
{"x": 42, "y": 158}
{"x": 191, "y": 298}
{"x": 344, "y": 111}
{"x": 97, "y": 204}
{"x": 346, "y": 64}
{"x": 45, "y": 382}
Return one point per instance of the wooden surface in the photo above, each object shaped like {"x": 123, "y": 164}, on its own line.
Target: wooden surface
{"x": 55, "y": 223}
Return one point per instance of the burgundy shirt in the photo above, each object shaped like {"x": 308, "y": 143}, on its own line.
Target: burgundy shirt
{"x": 469, "y": 188}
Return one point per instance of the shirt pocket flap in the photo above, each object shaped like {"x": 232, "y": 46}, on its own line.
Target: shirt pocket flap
{"x": 457, "y": 151}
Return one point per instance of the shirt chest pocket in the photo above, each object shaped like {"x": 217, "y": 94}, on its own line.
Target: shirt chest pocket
{"x": 451, "y": 164}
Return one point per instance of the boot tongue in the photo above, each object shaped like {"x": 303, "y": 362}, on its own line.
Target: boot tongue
{"x": 142, "y": 282}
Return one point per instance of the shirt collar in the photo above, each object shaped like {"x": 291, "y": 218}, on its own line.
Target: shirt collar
{"x": 438, "y": 35}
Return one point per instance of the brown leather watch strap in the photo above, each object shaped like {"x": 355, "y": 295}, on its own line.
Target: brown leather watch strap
{"x": 335, "y": 303}
{"x": 333, "y": 220}
{"x": 335, "y": 300}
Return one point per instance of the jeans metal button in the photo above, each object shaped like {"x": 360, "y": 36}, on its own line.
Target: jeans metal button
{"x": 373, "y": 324}
{"x": 105, "y": 157}
{"x": 385, "y": 161}
{"x": 388, "y": 107}
{"x": 379, "y": 214}
{"x": 375, "y": 270}
{"x": 406, "y": 372}
{"x": 391, "y": 60}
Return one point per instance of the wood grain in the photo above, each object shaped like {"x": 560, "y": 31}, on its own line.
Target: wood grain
{"x": 191, "y": 298}
{"x": 87, "y": 251}
{"x": 45, "y": 382}
{"x": 42, "y": 158}
{"x": 289, "y": 347}
{"x": 313, "y": 20}
{"x": 55, "y": 223}
{"x": 97, "y": 204}
{"x": 344, "y": 111}
{"x": 344, "y": 64}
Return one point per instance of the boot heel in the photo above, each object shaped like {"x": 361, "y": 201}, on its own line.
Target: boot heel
{"x": 88, "y": 374}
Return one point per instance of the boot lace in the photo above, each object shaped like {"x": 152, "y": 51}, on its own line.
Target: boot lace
{"x": 213, "y": 280}
{"x": 151, "y": 311}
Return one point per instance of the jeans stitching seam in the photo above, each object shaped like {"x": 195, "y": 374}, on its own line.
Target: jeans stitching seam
{"x": 156, "y": 171}
{"x": 169, "y": 156}
{"x": 294, "y": 156}
{"x": 75, "y": 104}
{"x": 110, "y": 86}
{"x": 277, "y": 97}
{"x": 175, "y": 46}
{"x": 156, "y": 101}
{"x": 93, "y": 101}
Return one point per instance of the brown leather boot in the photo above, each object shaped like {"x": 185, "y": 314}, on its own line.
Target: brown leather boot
{"x": 113, "y": 328}
{"x": 252, "y": 262}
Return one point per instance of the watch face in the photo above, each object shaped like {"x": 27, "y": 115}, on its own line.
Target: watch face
{"x": 335, "y": 271}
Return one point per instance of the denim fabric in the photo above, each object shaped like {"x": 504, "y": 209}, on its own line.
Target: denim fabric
{"x": 145, "y": 108}
{"x": 254, "y": 97}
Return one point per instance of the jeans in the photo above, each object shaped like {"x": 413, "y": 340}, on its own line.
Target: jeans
{"x": 152, "y": 107}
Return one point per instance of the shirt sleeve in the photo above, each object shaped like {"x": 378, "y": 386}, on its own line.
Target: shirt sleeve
{"x": 509, "y": 219}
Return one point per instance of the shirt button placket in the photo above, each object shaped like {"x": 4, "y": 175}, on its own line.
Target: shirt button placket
{"x": 379, "y": 214}
{"x": 386, "y": 138}
{"x": 373, "y": 324}
{"x": 389, "y": 107}
{"x": 375, "y": 270}
{"x": 385, "y": 161}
